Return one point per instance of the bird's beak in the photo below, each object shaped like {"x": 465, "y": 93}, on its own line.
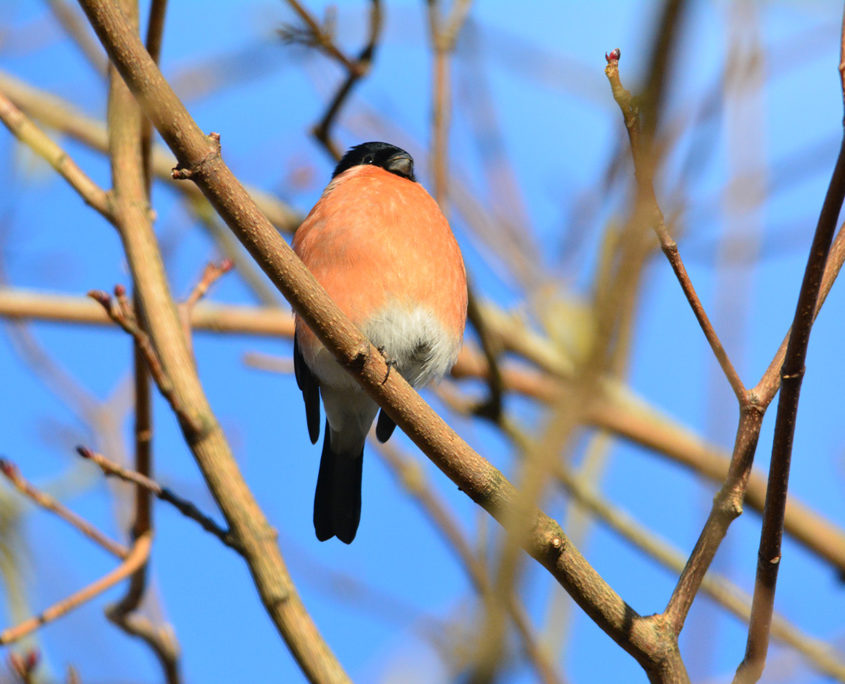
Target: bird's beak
{"x": 402, "y": 164}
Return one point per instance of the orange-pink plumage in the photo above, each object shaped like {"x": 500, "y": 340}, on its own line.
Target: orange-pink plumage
{"x": 380, "y": 246}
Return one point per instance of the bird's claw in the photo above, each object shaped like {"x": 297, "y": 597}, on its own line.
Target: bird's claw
{"x": 391, "y": 363}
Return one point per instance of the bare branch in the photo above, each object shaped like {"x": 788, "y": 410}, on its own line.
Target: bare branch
{"x": 213, "y": 317}
{"x": 62, "y": 116}
{"x": 644, "y": 171}
{"x": 47, "y": 502}
{"x": 29, "y": 134}
{"x": 135, "y": 558}
{"x": 355, "y": 70}
{"x": 185, "y": 507}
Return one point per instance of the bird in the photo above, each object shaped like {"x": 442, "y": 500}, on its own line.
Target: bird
{"x": 381, "y": 247}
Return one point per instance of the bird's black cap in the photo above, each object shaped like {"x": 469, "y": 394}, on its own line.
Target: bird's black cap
{"x": 387, "y": 156}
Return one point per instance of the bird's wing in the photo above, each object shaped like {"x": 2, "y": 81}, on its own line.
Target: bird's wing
{"x": 307, "y": 383}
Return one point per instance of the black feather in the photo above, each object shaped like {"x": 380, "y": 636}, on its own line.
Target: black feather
{"x": 384, "y": 427}
{"x": 384, "y": 155}
{"x": 337, "y": 501}
{"x": 307, "y": 382}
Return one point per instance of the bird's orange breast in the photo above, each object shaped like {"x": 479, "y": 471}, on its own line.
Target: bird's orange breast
{"x": 376, "y": 239}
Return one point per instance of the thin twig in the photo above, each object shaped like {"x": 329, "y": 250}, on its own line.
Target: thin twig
{"x": 315, "y": 34}
{"x": 355, "y": 70}
{"x": 643, "y": 171}
{"x": 185, "y": 507}
{"x": 121, "y": 313}
{"x": 126, "y": 319}
{"x": 10, "y": 470}
{"x": 135, "y": 558}
{"x": 24, "y": 665}
{"x": 210, "y": 275}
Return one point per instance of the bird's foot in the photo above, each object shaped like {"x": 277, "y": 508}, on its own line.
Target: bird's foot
{"x": 391, "y": 363}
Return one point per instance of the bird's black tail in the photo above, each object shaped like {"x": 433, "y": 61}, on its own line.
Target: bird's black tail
{"x": 337, "y": 501}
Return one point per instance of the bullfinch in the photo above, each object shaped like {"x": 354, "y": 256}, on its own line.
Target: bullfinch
{"x": 380, "y": 246}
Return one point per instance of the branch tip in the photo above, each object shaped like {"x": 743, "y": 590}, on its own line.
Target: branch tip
{"x": 8, "y": 468}
{"x": 24, "y": 665}
{"x": 101, "y": 297}
{"x": 613, "y": 56}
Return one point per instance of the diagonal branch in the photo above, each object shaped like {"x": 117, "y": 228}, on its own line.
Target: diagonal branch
{"x": 47, "y": 502}
{"x": 644, "y": 172}
{"x": 146, "y": 483}
{"x": 135, "y": 558}
{"x": 200, "y": 156}
{"x": 29, "y": 134}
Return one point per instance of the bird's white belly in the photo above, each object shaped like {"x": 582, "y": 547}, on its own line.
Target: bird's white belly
{"x": 410, "y": 338}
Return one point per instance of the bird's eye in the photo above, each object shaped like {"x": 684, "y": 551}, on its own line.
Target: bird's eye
{"x": 368, "y": 159}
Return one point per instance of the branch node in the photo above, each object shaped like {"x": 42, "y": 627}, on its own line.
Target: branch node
{"x": 797, "y": 375}
{"x": 359, "y": 358}
{"x": 186, "y": 172}
{"x": 773, "y": 561}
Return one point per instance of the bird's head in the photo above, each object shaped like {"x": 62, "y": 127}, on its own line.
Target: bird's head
{"x": 384, "y": 155}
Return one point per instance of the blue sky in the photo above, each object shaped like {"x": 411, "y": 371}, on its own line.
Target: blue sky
{"x": 543, "y": 65}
